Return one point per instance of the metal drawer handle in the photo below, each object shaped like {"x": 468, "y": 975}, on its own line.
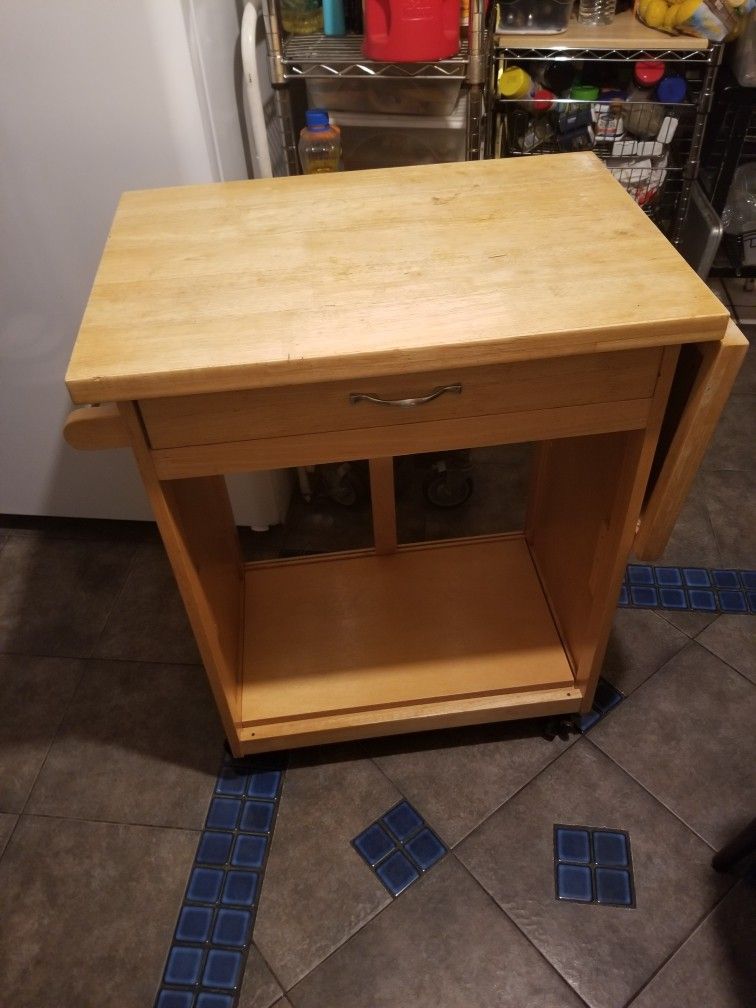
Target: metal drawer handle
{"x": 358, "y": 397}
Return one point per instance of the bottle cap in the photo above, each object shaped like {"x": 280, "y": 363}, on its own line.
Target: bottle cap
{"x": 648, "y": 73}
{"x": 671, "y": 90}
{"x": 514, "y": 83}
{"x": 543, "y": 100}
{"x": 584, "y": 92}
{"x": 316, "y": 119}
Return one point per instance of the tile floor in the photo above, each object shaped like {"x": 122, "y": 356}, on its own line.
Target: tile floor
{"x": 110, "y": 751}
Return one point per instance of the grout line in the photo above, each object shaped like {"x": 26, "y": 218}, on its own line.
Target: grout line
{"x": 106, "y": 822}
{"x": 93, "y": 658}
{"x": 115, "y": 603}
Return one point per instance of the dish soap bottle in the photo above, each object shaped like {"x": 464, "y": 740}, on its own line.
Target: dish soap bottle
{"x": 319, "y": 144}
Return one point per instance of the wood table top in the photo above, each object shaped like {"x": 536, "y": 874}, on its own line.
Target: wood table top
{"x": 237, "y": 285}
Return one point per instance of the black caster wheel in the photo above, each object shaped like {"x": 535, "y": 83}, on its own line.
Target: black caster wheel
{"x": 447, "y": 489}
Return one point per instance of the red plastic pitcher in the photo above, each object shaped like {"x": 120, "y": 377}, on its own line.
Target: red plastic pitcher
{"x": 411, "y": 31}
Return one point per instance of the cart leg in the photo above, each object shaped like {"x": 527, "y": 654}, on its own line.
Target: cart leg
{"x": 383, "y": 504}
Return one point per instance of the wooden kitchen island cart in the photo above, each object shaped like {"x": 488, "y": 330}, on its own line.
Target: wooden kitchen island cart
{"x": 367, "y": 315}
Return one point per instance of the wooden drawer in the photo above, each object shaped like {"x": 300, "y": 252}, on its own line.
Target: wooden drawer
{"x": 328, "y": 406}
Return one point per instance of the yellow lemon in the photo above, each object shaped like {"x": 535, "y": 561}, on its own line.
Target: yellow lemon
{"x": 656, "y": 13}
{"x": 685, "y": 10}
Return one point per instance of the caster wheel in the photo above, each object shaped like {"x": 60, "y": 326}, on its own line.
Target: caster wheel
{"x": 443, "y": 491}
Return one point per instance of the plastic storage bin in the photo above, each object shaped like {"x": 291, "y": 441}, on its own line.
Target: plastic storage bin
{"x": 369, "y": 141}
{"x": 533, "y": 17}
{"x": 385, "y": 96}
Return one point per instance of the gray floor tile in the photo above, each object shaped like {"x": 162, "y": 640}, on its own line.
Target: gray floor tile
{"x": 34, "y": 695}
{"x": 457, "y": 778}
{"x": 442, "y": 943}
{"x": 691, "y": 623}
{"x": 733, "y": 639}
{"x": 87, "y": 911}
{"x": 7, "y": 825}
{"x": 140, "y": 744}
{"x": 148, "y": 622}
{"x": 317, "y": 890}
{"x": 605, "y": 953}
{"x": 687, "y": 735}
{"x": 731, "y": 501}
{"x": 745, "y": 383}
{"x": 259, "y": 989}
{"x": 731, "y": 446}
{"x": 56, "y": 594}
{"x": 692, "y": 540}
{"x": 639, "y": 644}
{"x": 283, "y": 1003}
{"x": 716, "y": 965}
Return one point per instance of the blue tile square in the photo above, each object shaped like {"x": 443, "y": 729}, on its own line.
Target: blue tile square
{"x": 224, "y": 813}
{"x": 589, "y": 720}
{"x": 230, "y": 783}
{"x": 204, "y": 885}
{"x": 752, "y": 601}
{"x": 396, "y": 873}
{"x": 207, "y": 999}
{"x": 249, "y": 851}
{"x": 640, "y": 574}
{"x": 573, "y": 845}
{"x": 668, "y": 577}
{"x": 373, "y": 844}
{"x": 194, "y": 924}
{"x": 574, "y": 883}
{"x": 623, "y": 598}
{"x": 673, "y": 598}
{"x": 264, "y": 785}
{"x": 613, "y": 887}
{"x": 725, "y": 579}
{"x": 257, "y": 817}
{"x": 232, "y": 927}
{"x": 222, "y": 969}
{"x": 240, "y": 888}
{"x": 610, "y": 848}
{"x": 748, "y": 577}
{"x": 175, "y": 999}
{"x": 425, "y": 849}
{"x": 402, "y": 821}
{"x": 702, "y": 599}
{"x": 696, "y": 577}
{"x": 644, "y": 597}
{"x": 214, "y": 848}
{"x": 732, "y": 602}
{"x": 184, "y": 965}
{"x": 606, "y": 696}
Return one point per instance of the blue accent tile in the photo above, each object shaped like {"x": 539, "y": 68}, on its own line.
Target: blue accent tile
{"x": 640, "y": 574}
{"x": 573, "y": 845}
{"x": 696, "y": 577}
{"x": 623, "y": 599}
{"x": 589, "y": 720}
{"x": 205, "y": 885}
{"x": 264, "y": 785}
{"x": 224, "y": 813}
{"x": 725, "y": 579}
{"x": 748, "y": 577}
{"x": 613, "y": 887}
{"x": 257, "y": 817}
{"x": 574, "y": 883}
{"x": 231, "y": 783}
{"x": 175, "y": 999}
{"x": 208, "y": 999}
{"x": 240, "y": 888}
{"x": 222, "y": 969}
{"x": 732, "y": 602}
{"x": 184, "y": 965}
{"x": 702, "y": 599}
{"x": 373, "y": 844}
{"x": 402, "y": 821}
{"x": 644, "y": 597}
{"x": 610, "y": 848}
{"x": 673, "y": 598}
{"x": 249, "y": 852}
{"x": 396, "y": 873}
{"x": 194, "y": 924}
{"x": 606, "y": 696}
{"x": 214, "y": 848}
{"x": 425, "y": 849}
{"x": 668, "y": 577}
{"x": 232, "y": 927}
{"x": 752, "y": 601}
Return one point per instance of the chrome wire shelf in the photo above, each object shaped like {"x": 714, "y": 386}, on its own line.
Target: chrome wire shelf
{"x": 321, "y": 56}
{"x": 557, "y": 52}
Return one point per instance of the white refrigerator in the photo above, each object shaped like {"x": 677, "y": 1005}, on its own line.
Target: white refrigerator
{"x": 98, "y": 96}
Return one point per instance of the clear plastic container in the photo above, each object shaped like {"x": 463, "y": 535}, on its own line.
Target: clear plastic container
{"x": 385, "y": 96}
{"x": 319, "y": 144}
{"x": 302, "y": 17}
{"x": 533, "y": 17}
{"x": 596, "y": 12}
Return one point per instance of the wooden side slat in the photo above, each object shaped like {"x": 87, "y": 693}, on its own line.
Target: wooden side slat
{"x": 383, "y": 504}
{"x": 719, "y": 366}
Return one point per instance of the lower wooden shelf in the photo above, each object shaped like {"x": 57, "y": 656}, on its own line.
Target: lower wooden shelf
{"x": 356, "y": 644}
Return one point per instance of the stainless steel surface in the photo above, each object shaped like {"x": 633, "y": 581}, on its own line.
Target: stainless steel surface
{"x": 358, "y": 397}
